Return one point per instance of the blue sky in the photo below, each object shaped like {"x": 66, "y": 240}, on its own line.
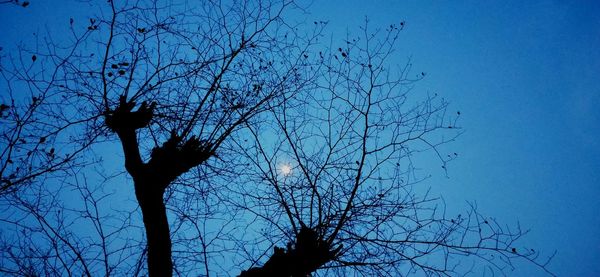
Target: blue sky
{"x": 524, "y": 75}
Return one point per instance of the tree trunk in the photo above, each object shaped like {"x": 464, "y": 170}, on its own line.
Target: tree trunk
{"x": 154, "y": 213}
{"x": 307, "y": 254}
{"x": 167, "y": 162}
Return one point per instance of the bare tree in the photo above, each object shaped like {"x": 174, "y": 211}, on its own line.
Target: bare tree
{"x": 171, "y": 80}
{"x": 339, "y": 185}
{"x": 205, "y": 101}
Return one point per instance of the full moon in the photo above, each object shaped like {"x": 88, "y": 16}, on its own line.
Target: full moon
{"x": 286, "y": 169}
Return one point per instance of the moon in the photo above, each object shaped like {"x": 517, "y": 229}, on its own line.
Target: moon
{"x": 285, "y": 169}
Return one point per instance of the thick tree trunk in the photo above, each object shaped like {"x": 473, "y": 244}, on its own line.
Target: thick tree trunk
{"x": 167, "y": 162}
{"x": 307, "y": 254}
{"x": 157, "y": 229}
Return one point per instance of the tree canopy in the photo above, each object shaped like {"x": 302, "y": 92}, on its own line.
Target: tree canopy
{"x": 172, "y": 138}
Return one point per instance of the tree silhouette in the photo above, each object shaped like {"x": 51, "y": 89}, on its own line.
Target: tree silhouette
{"x": 23, "y": 4}
{"x": 205, "y": 102}
{"x": 350, "y": 144}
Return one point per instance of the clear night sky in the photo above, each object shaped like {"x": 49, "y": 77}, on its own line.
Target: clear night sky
{"x": 525, "y": 76}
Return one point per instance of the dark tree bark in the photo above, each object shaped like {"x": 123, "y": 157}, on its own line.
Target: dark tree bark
{"x": 307, "y": 254}
{"x": 156, "y": 224}
{"x": 151, "y": 179}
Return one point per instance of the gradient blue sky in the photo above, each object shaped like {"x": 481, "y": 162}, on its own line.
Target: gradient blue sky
{"x": 525, "y": 76}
